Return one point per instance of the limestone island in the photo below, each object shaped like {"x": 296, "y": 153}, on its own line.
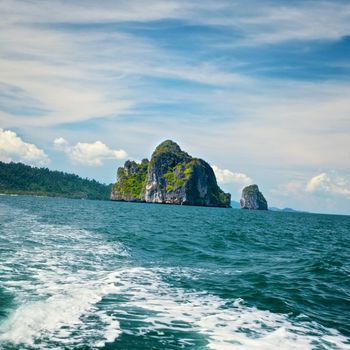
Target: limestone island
{"x": 171, "y": 177}
{"x": 253, "y": 199}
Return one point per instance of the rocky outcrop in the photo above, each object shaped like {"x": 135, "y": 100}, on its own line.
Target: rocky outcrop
{"x": 252, "y": 198}
{"x": 171, "y": 176}
{"x": 130, "y": 182}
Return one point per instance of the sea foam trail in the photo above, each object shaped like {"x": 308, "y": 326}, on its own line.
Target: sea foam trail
{"x": 61, "y": 315}
{"x": 226, "y": 326}
{"x": 71, "y": 288}
{"x": 58, "y": 278}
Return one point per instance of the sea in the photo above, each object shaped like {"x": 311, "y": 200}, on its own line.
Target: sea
{"x": 83, "y": 274}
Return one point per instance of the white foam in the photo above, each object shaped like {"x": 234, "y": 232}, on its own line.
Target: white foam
{"x": 226, "y": 327}
{"x": 59, "y": 313}
{"x": 70, "y": 275}
{"x": 58, "y": 278}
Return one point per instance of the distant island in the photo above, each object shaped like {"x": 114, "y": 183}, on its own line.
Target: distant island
{"x": 18, "y": 178}
{"x": 253, "y": 199}
{"x": 287, "y": 210}
{"x": 171, "y": 177}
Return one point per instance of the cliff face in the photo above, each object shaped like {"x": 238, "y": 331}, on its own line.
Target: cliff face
{"x": 173, "y": 177}
{"x": 252, "y": 198}
{"x": 130, "y": 182}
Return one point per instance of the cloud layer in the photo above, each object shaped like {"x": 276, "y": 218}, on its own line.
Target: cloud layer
{"x": 225, "y": 176}
{"x": 90, "y": 154}
{"x": 329, "y": 184}
{"x": 13, "y": 148}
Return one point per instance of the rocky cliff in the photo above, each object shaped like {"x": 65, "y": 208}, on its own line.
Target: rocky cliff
{"x": 131, "y": 181}
{"x": 171, "y": 176}
{"x": 252, "y": 198}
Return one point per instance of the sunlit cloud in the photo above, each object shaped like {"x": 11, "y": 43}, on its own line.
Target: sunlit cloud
{"x": 13, "y": 148}
{"x": 90, "y": 154}
{"x": 225, "y": 176}
{"x": 230, "y": 181}
{"x": 325, "y": 183}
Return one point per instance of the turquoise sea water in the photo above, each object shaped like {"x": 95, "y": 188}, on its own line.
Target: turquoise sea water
{"x": 106, "y": 275}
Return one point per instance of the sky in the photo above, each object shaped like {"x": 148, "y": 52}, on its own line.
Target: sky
{"x": 260, "y": 89}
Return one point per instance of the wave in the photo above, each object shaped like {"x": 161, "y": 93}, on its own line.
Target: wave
{"x": 225, "y": 324}
{"x": 74, "y": 287}
{"x": 58, "y": 278}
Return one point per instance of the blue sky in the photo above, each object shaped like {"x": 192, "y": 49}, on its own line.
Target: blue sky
{"x": 260, "y": 89}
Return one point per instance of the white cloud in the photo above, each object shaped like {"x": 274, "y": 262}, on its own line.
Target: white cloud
{"x": 316, "y": 182}
{"x": 91, "y": 154}
{"x": 271, "y": 24}
{"x": 13, "y": 148}
{"x": 225, "y": 176}
{"x": 61, "y": 143}
{"x": 259, "y": 21}
{"x": 89, "y": 11}
{"x": 329, "y": 184}
{"x": 107, "y": 82}
{"x": 98, "y": 74}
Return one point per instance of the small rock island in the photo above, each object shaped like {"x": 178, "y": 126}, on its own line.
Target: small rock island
{"x": 172, "y": 177}
{"x": 253, "y": 199}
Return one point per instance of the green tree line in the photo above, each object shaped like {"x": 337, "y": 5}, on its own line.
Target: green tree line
{"x": 18, "y": 178}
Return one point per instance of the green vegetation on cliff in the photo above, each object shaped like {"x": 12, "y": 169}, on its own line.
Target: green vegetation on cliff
{"x": 176, "y": 176}
{"x": 18, "y": 178}
{"x": 131, "y": 180}
{"x": 168, "y": 147}
{"x": 171, "y": 176}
